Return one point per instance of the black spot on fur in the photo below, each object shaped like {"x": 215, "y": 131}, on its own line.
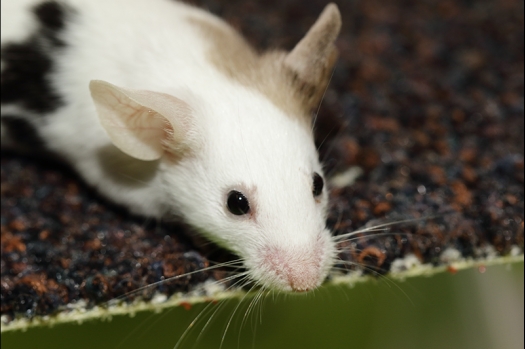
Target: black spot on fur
{"x": 51, "y": 16}
{"x": 22, "y": 133}
{"x": 25, "y": 79}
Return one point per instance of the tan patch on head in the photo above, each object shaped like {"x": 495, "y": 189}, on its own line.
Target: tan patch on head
{"x": 267, "y": 73}
{"x": 235, "y": 58}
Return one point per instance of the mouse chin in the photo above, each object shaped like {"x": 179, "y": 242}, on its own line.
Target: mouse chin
{"x": 294, "y": 268}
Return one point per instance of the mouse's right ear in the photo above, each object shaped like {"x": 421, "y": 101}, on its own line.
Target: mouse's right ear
{"x": 144, "y": 124}
{"x": 313, "y": 58}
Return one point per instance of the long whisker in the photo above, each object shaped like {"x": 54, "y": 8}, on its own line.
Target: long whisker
{"x": 143, "y": 323}
{"x": 224, "y": 280}
{"x": 261, "y": 305}
{"x": 254, "y": 300}
{"x": 328, "y": 135}
{"x": 197, "y": 318}
{"x": 322, "y": 99}
{"x": 229, "y": 264}
{"x": 371, "y": 230}
{"x": 367, "y": 229}
{"x": 250, "y": 307}
{"x": 231, "y": 317}
{"x": 210, "y": 318}
{"x": 384, "y": 277}
{"x": 140, "y": 289}
{"x": 190, "y": 326}
{"x": 379, "y": 235}
{"x": 242, "y": 280}
{"x": 258, "y": 314}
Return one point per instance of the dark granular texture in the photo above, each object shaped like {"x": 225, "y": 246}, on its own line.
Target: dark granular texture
{"x": 60, "y": 243}
{"x": 427, "y": 99}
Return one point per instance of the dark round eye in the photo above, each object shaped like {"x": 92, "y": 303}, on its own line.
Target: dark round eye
{"x": 318, "y": 184}
{"x": 238, "y": 203}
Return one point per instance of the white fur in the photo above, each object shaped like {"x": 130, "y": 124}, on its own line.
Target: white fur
{"x": 243, "y": 141}
{"x": 17, "y": 23}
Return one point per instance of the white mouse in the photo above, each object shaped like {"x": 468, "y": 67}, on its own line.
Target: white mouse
{"x": 165, "y": 109}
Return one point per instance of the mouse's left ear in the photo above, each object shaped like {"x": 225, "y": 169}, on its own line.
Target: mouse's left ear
{"x": 144, "y": 124}
{"x": 313, "y": 58}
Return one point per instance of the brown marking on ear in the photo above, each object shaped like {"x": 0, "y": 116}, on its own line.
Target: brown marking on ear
{"x": 269, "y": 73}
{"x": 314, "y": 56}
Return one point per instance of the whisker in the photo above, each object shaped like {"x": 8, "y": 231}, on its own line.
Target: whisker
{"x": 251, "y": 305}
{"x": 367, "y": 229}
{"x": 327, "y": 136}
{"x": 371, "y": 230}
{"x": 381, "y": 234}
{"x": 160, "y": 282}
{"x": 258, "y": 314}
{"x": 233, "y": 314}
{"x": 224, "y": 280}
{"x": 143, "y": 323}
{"x": 383, "y": 277}
{"x": 254, "y": 300}
{"x": 322, "y": 99}
{"x": 213, "y": 315}
{"x": 241, "y": 283}
{"x": 230, "y": 264}
{"x": 262, "y": 304}
{"x": 210, "y": 318}
{"x": 192, "y": 323}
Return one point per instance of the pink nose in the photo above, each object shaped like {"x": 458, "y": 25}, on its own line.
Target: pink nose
{"x": 300, "y": 270}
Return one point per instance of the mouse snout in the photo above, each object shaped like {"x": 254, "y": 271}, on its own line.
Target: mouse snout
{"x": 299, "y": 269}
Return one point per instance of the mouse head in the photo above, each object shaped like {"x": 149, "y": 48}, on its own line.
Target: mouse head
{"x": 238, "y": 158}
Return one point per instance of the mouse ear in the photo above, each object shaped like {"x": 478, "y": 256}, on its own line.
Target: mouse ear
{"x": 143, "y": 124}
{"x": 314, "y": 56}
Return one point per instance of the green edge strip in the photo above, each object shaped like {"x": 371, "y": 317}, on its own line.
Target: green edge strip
{"x": 77, "y": 313}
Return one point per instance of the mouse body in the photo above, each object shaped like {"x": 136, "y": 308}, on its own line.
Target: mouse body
{"x": 166, "y": 110}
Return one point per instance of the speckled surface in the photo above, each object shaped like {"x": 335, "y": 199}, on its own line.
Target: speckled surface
{"x": 427, "y": 99}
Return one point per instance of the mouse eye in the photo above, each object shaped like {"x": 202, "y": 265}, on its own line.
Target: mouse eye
{"x": 318, "y": 184}
{"x": 238, "y": 203}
